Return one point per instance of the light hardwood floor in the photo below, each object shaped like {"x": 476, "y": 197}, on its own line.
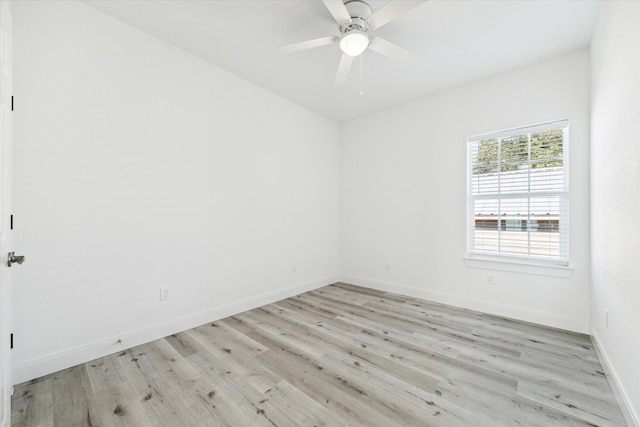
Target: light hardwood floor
{"x": 337, "y": 356}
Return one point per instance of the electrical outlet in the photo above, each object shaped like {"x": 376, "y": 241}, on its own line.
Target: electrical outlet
{"x": 294, "y": 268}
{"x": 387, "y": 264}
{"x": 490, "y": 279}
{"x": 164, "y": 293}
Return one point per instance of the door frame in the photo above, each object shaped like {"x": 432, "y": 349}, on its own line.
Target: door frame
{"x": 6, "y": 107}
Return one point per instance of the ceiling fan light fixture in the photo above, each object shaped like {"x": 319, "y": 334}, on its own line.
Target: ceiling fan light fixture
{"x": 354, "y": 42}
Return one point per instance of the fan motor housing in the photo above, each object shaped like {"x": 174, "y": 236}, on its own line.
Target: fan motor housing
{"x": 359, "y": 12}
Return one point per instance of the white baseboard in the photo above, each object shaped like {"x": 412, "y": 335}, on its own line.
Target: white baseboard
{"x": 554, "y": 320}
{"x": 630, "y": 416}
{"x": 37, "y": 367}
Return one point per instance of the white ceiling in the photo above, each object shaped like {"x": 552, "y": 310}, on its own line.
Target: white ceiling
{"x": 457, "y": 42}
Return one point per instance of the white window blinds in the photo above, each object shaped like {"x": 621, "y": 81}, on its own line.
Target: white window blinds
{"x": 518, "y": 194}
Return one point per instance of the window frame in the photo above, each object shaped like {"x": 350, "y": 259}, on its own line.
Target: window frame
{"x": 563, "y": 258}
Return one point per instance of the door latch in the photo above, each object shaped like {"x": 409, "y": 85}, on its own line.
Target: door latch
{"x": 12, "y": 258}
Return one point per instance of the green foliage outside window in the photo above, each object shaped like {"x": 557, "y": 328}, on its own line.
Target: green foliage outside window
{"x": 512, "y": 153}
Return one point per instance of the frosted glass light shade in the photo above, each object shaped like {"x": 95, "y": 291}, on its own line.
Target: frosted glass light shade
{"x": 354, "y": 43}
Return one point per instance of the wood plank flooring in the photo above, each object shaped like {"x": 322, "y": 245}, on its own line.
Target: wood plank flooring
{"x": 337, "y": 356}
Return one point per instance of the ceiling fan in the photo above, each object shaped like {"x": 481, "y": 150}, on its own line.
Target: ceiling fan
{"x": 357, "y": 24}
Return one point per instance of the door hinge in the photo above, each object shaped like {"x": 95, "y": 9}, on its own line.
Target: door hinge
{"x": 11, "y": 102}
{"x": 11, "y": 222}
{"x": 11, "y": 346}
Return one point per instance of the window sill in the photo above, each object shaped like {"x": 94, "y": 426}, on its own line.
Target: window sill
{"x": 519, "y": 267}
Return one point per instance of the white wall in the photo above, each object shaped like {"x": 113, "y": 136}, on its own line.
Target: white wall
{"x": 615, "y": 193}
{"x": 403, "y": 195}
{"x": 140, "y": 166}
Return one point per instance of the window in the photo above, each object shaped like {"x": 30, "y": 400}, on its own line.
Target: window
{"x": 518, "y": 195}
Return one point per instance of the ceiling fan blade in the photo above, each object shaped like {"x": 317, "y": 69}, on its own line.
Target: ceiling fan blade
{"x": 309, "y": 44}
{"x": 343, "y": 69}
{"x": 391, "y": 50}
{"x": 338, "y": 11}
{"x": 391, "y": 11}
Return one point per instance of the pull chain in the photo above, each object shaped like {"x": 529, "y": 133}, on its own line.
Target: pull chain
{"x": 361, "y": 83}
